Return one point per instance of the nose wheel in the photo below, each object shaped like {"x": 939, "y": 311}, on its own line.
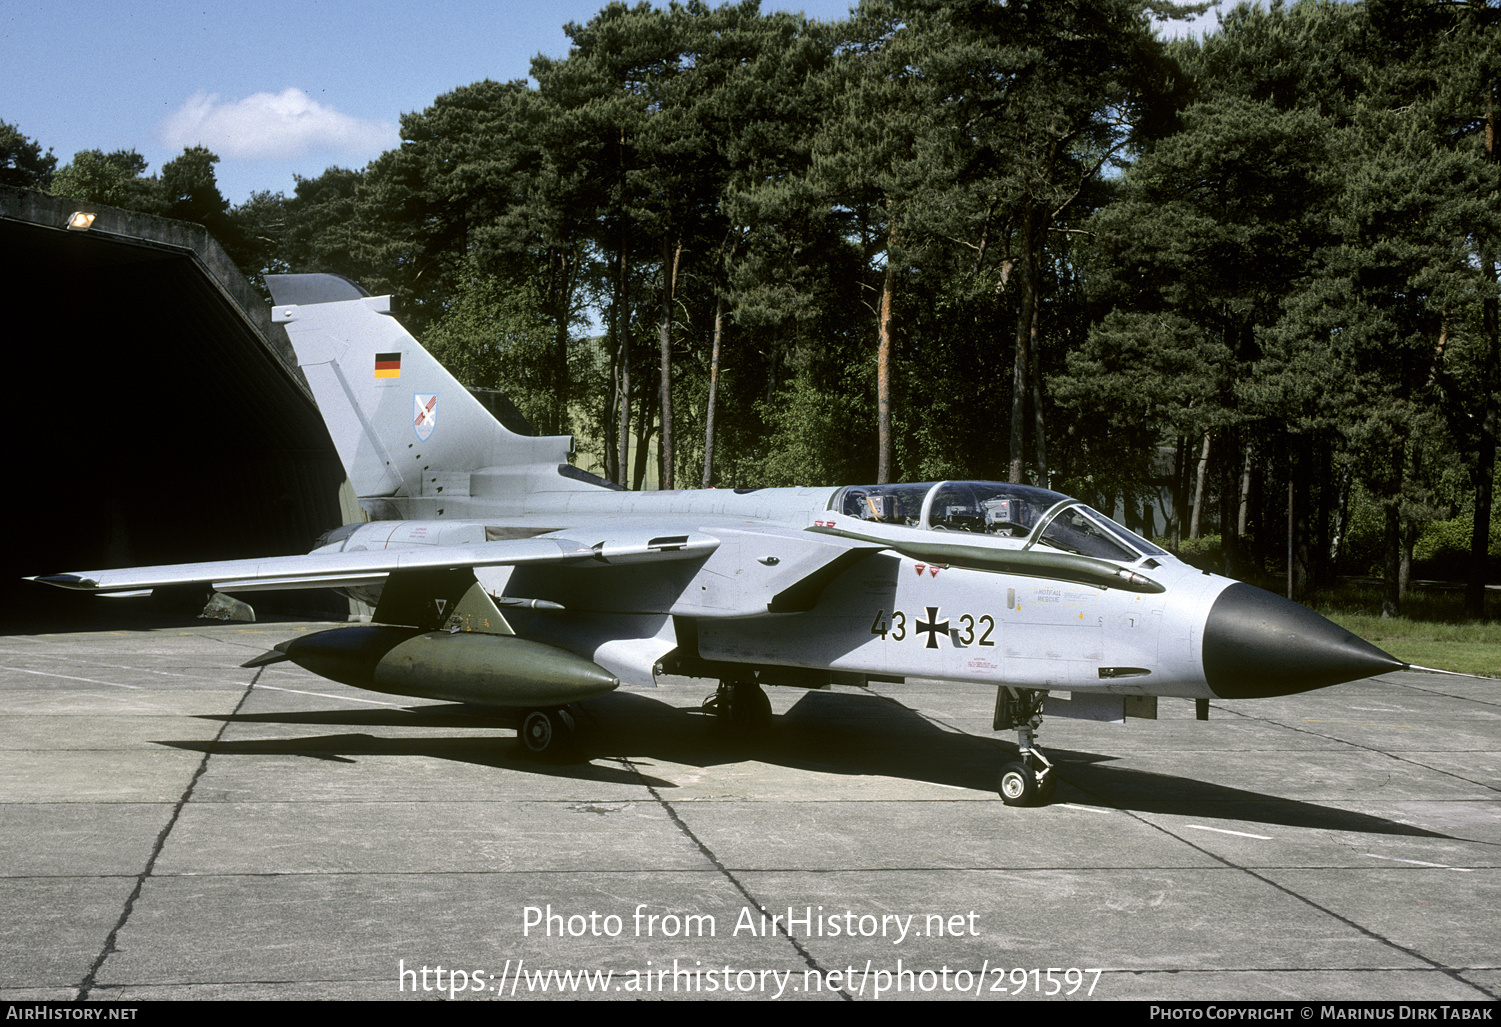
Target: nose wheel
{"x": 1022, "y": 785}
{"x": 1031, "y": 781}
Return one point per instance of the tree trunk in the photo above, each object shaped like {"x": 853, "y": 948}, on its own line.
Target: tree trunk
{"x": 1025, "y": 327}
{"x": 1291, "y": 590}
{"x": 1480, "y": 531}
{"x": 1245, "y": 496}
{"x": 669, "y": 287}
{"x": 564, "y": 270}
{"x": 607, "y": 415}
{"x": 1193, "y": 525}
{"x": 1341, "y": 518}
{"x": 1391, "y": 598}
{"x": 1301, "y": 472}
{"x": 1486, "y": 462}
{"x": 1404, "y": 563}
{"x": 560, "y": 380}
{"x": 1040, "y": 440}
{"x": 1229, "y": 500}
{"x": 623, "y": 334}
{"x": 1391, "y": 592}
{"x": 643, "y": 440}
{"x": 1180, "y": 494}
{"x": 883, "y": 362}
{"x": 713, "y": 392}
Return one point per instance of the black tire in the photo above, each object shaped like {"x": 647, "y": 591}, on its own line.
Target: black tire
{"x": 1018, "y": 785}
{"x": 744, "y": 709}
{"x": 1046, "y": 790}
{"x": 546, "y": 734}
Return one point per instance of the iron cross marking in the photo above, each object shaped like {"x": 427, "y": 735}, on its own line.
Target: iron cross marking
{"x": 933, "y": 627}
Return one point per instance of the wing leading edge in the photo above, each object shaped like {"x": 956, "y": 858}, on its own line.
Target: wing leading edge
{"x": 345, "y": 570}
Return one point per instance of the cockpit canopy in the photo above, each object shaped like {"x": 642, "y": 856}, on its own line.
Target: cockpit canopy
{"x": 1039, "y": 516}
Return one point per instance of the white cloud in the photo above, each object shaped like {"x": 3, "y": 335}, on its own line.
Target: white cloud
{"x": 272, "y": 125}
{"x": 1197, "y": 27}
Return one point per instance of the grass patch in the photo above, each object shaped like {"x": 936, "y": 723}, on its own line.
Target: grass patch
{"x": 1473, "y": 648}
{"x": 1433, "y": 631}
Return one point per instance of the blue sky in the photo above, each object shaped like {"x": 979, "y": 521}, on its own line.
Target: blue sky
{"x": 276, "y": 88}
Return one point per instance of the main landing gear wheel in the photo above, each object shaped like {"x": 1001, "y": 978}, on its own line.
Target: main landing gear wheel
{"x": 546, "y": 734}
{"x": 741, "y": 707}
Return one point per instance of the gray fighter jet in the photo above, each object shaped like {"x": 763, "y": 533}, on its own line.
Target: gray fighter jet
{"x": 501, "y": 575}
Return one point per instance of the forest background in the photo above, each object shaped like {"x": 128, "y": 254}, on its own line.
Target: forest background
{"x": 1240, "y": 291}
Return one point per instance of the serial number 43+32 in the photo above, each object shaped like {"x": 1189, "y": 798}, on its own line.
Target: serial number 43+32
{"x": 931, "y": 627}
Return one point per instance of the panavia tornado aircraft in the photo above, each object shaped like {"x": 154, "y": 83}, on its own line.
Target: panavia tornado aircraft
{"x": 501, "y": 575}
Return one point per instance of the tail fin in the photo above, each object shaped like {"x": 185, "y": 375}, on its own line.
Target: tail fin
{"x": 404, "y": 427}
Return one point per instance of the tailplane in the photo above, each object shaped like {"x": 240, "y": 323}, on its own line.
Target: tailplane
{"x": 413, "y": 441}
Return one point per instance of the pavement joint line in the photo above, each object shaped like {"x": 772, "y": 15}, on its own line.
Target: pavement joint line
{"x": 1393, "y": 754}
{"x": 325, "y": 695}
{"x": 1452, "y": 973}
{"x": 1357, "y": 723}
{"x": 88, "y": 983}
{"x": 71, "y": 677}
{"x": 1450, "y": 695}
{"x": 725, "y": 871}
{"x": 1423, "y": 863}
{"x": 74, "y": 661}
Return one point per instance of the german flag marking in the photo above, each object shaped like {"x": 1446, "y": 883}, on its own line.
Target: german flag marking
{"x": 388, "y": 365}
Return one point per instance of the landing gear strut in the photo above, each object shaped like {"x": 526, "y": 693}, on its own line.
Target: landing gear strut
{"x": 546, "y": 734}
{"x": 1032, "y": 781}
{"x": 741, "y": 706}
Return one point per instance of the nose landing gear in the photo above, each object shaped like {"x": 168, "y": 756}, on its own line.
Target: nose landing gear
{"x": 1031, "y": 781}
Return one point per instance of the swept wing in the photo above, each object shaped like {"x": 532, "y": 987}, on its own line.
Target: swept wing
{"x": 343, "y": 570}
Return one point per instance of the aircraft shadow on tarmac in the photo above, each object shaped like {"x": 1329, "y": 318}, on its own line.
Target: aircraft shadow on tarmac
{"x": 829, "y": 733}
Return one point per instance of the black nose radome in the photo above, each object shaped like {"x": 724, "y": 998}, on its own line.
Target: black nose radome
{"x": 1257, "y": 644}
